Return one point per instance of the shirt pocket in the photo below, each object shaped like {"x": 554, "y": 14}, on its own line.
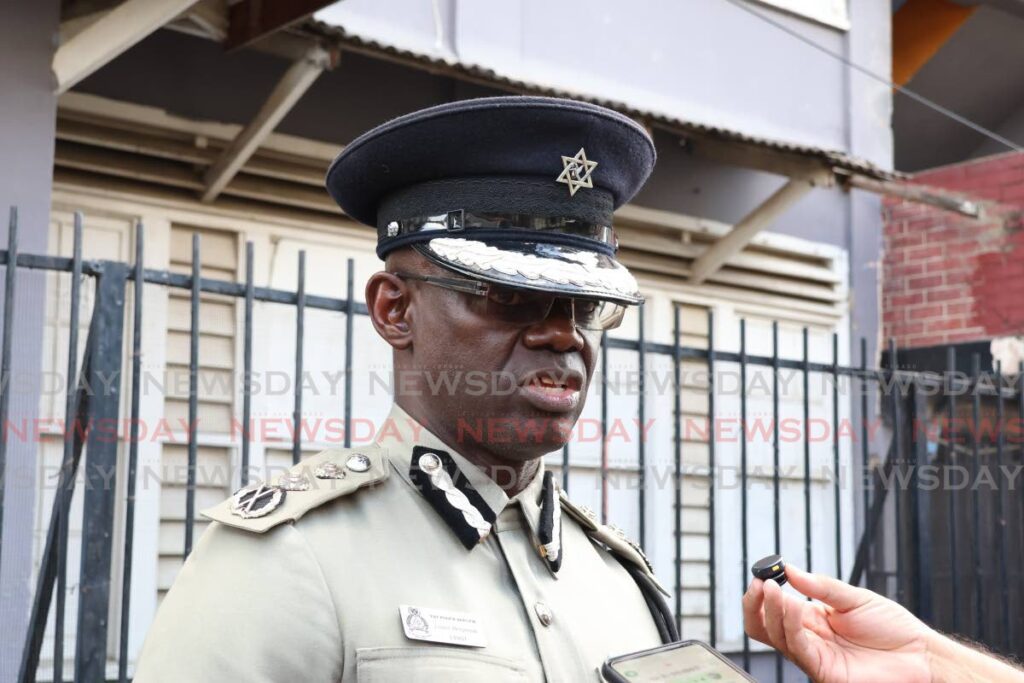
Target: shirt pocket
{"x": 434, "y": 665}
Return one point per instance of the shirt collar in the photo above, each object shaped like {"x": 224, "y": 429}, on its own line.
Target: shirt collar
{"x": 400, "y": 432}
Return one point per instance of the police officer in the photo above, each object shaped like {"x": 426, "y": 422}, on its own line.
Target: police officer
{"x": 444, "y": 551}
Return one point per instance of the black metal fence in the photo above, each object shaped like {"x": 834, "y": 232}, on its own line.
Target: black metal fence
{"x": 912, "y": 548}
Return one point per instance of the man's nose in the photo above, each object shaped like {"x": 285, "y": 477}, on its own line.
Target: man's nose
{"x": 557, "y": 332}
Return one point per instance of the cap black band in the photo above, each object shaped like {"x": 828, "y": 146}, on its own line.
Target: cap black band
{"x": 514, "y": 209}
{"x": 495, "y": 229}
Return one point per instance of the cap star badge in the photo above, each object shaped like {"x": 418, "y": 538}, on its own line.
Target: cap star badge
{"x": 576, "y": 172}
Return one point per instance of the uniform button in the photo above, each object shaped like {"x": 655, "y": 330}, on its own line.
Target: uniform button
{"x": 544, "y": 614}
{"x": 430, "y": 463}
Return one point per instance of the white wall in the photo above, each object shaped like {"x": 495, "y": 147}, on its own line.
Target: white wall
{"x": 702, "y": 60}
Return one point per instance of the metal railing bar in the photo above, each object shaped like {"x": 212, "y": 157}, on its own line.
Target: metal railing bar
{"x": 99, "y": 500}
{"x": 951, "y": 452}
{"x": 182, "y": 281}
{"x": 264, "y": 294}
{"x": 604, "y": 428}
{"x": 835, "y": 453}
{"x": 712, "y": 474}
{"x": 1001, "y": 524}
{"x": 807, "y": 451}
{"x": 193, "y": 400}
{"x": 677, "y": 507}
{"x": 349, "y": 320}
{"x": 874, "y": 516}
{"x": 776, "y": 450}
{"x": 920, "y": 512}
{"x": 897, "y": 432}
{"x": 133, "y": 452}
{"x": 745, "y": 562}
{"x": 250, "y": 295}
{"x": 5, "y": 359}
{"x": 776, "y": 519}
{"x": 1019, "y": 498}
{"x": 699, "y": 354}
{"x": 865, "y": 465}
{"x": 641, "y": 454}
{"x": 979, "y": 623}
{"x": 63, "y": 510}
{"x": 300, "y": 333}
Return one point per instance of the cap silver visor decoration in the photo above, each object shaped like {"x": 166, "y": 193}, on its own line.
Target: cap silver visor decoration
{"x": 537, "y": 266}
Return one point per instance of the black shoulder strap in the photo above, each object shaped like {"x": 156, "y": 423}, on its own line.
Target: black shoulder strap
{"x": 664, "y": 620}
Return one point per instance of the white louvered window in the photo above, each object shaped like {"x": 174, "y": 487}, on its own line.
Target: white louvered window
{"x": 216, "y": 392}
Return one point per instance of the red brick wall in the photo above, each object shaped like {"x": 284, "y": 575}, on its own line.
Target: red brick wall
{"x": 948, "y": 278}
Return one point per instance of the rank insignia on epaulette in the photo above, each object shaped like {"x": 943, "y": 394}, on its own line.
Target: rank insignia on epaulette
{"x": 633, "y": 544}
{"x": 357, "y": 462}
{"x": 590, "y": 514}
{"x": 294, "y": 482}
{"x": 256, "y": 500}
{"x": 329, "y": 470}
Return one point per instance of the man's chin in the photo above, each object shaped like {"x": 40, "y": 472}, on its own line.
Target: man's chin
{"x": 519, "y": 434}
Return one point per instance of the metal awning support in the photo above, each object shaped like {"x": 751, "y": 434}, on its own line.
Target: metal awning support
{"x": 288, "y": 91}
{"x": 922, "y": 194}
{"x": 109, "y": 36}
{"x": 719, "y": 253}
{"x": 210, "y": 17}
{"x": 251, "y": 20}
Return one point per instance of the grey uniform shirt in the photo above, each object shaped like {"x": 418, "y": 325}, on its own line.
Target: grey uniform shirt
{"x": 312, "y": 591}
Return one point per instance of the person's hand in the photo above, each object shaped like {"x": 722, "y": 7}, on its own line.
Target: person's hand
{"x": 855, "y": 636}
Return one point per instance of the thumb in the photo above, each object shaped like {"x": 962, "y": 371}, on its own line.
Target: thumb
{"x": 836, "y": 594}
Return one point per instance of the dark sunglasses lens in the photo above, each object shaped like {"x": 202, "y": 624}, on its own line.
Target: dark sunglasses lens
{"x": 598, "y": 315}
{"x": 517, "y": 306}
{"x": 525, "y": 307}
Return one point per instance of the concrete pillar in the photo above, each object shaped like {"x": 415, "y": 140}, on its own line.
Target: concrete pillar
{"x": 28, "y": 107}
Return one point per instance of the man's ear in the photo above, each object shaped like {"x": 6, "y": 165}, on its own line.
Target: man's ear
{"x": 387, "y": 300}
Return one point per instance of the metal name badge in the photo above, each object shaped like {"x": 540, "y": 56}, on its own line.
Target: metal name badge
{"x": 441, "y": 626}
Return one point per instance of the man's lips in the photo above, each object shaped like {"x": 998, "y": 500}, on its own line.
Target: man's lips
{"x": 555, "y": 390}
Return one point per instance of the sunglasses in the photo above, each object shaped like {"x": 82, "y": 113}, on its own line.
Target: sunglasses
{"x": 525, "y": 307}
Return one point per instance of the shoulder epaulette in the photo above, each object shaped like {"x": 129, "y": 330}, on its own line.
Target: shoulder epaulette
{"x": 316, "y": 480}
{"x": 611, "y": 537}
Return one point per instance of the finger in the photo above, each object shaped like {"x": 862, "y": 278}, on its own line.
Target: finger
{"x": 833, "y": 592}
{"x": 753, "y": 612}
{"x": 798, "y": 640}
{"x": 774, "y": 613}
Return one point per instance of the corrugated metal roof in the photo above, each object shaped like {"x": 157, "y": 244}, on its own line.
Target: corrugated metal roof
{"x": 338, "y": 36}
